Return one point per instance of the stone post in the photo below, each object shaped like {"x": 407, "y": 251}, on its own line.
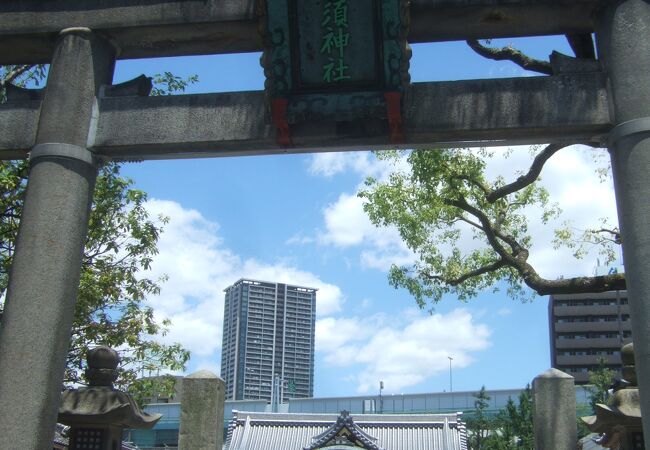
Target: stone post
{"x": 554, "y": 399}
{"x": 44, "y": 277}
{"x": 623, "y": 36}
{"x": 202, "y": 408}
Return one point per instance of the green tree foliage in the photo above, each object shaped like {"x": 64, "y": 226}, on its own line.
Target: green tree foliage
{"x": 510, "y": 429}
{"x": 20, "y": 75}
{"x": 111, "y": 308}
{"x": 169, "y": 84}
{"x": 13, "y": 175}
{"x": 479, "y": 424}
{"x": 600, "y": 380}
{"x": 515, "y": 423}
{"x": 122, "y": 241}
{"x": 469, "y": 232}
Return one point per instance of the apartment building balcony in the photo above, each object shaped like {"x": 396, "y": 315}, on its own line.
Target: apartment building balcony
{"x": 591, "y": 326}
{"x": 614, "y": 343}
{"x": 586, "y": 360}
{"x": 579, "y": 377}
{"x": 594, "y": 310}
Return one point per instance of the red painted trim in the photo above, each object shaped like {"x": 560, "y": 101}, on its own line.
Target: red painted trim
{"x": 279, "y": 119}
{"x": 394, "y": 110}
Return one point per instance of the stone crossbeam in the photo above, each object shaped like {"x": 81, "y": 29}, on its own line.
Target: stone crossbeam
{"x": 567, "y": 108}
{"x": 18, "y": 122}
{"x": 157, "y": 28}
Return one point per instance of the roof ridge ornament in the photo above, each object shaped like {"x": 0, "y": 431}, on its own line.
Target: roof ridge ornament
{"x": 344, "y": 433}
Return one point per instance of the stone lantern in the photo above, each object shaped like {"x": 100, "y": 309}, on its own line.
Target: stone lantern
{"x": 619, "y": 422}
{"x": 97, "y": 414}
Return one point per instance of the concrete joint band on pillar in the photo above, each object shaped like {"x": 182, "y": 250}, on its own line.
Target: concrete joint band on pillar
{"x": 76, "y": 30}
{"x": 68, "y": 151}
{"x": 629, "y": 128}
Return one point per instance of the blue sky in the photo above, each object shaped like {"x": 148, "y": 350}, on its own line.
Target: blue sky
{"x": 296, "y": 219}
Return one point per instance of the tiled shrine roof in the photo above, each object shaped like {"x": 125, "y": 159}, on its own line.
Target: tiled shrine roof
{"x": 278, "y": 431}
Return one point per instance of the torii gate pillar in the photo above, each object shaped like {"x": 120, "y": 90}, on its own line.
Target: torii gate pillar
{"x": 624, "y": 44}
{"x": 42, "y": 291}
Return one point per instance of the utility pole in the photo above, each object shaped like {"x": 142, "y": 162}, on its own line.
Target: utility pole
{"x": 381, "y": 400}
{"x": 451, "y": 386}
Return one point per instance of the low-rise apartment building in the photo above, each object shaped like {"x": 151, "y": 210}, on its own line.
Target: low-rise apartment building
{"x": 587, "y": 328}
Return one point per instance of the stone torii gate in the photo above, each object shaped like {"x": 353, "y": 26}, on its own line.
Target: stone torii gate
{"x": 77, "y": 122}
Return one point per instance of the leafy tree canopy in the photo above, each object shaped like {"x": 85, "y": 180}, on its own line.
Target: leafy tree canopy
{"x": 510, "y": 429}
{"x": 469, "y": 232}
{"x": 516, "y": 423}
{"x": 479, "y": 423}
{"x": 122, "y": 241}
{"x": 600, "y": 381}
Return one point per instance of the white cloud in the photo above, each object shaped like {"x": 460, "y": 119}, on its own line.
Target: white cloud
{"x": 366, "y": 303}
{"x": 330, "y": 164}
{"x": 504, "y": 311}
{"x": 299, "y": 239}
{"x": 400, "y": 351}
{"x": 384, "y": 259}
{"x": 199, "y": 267}
{"x": 347, "y": 225}
{"x": 362, "y": 163}
{"x": 333, "y": 333}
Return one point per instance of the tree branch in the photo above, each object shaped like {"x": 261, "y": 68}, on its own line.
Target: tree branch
{"x": 493, "y": 235}
{"x": 474, "y": 182}
{"x": 616, "y": 235}
{"x": 471, "y": 222}
{"x": 18, "y": 71}
{"x": 513, "y": 55}
{"x": 518, "y": 261}
{"x": 530, "y": 177}
{"x": 496, "y": 265}
{"x": 577, "y": 285}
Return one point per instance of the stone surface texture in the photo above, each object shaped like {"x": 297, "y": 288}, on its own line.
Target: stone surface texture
{"x": 202, "y": 408}
{"x": 623, "y": 37}
{"x": 555, "y": 411}
{"x": 487, "y": 112}
{"x": 44, "y": 279}
{"x": 143, "y": 28}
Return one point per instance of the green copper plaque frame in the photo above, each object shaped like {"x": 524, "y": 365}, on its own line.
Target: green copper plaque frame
{"x": 334, "y": 60}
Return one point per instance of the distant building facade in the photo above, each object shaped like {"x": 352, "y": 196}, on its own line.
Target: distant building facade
{"x": 585, "y": 328}
{"x": 268, "y": 341}
{"x": 165, "y": 433}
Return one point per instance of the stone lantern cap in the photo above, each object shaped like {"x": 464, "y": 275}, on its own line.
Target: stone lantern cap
{"x": 100, "y": 403}
{"x": 624, "y": 408}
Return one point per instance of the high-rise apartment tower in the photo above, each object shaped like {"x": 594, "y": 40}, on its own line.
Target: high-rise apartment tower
{"x": 268, "y": 341}
{"x": 586, "y": 329}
